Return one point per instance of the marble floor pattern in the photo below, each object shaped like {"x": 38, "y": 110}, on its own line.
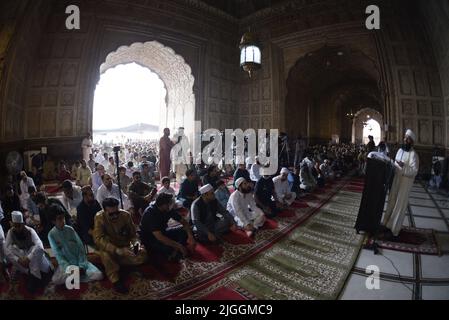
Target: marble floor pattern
{"x": 422, "y": 277}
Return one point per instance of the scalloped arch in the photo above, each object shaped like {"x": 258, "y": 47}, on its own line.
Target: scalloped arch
{"x": 174, "y": 72}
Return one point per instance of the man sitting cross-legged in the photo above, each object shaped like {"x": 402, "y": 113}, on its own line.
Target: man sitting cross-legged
{"x": 25, "y": 251}
{"x": 188, "y": 190}
{"x": 69, "y": 252}
{"x": 285, "y": 196}
{"x": 166, "y": 188}
{"x": 109, "y": 189}
{"x": 243, "y": 207}
{"x": 116, "y": 240}
{"x": 85, "y": 215}
{"x": 209, "y": 217}
{"x": 265, "y": 195}
{"x": 155, "y": 234}
{"x": 140, "y": 193}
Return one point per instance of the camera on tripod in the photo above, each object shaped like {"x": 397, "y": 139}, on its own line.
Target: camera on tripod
{"x": 116, "y": 149}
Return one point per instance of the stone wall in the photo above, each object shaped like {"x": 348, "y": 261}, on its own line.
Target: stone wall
{"x": 20, "y": 33}
{"x": 436, "y": 14}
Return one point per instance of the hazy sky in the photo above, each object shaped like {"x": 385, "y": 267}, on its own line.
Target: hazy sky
{"x": 126, "y": 95}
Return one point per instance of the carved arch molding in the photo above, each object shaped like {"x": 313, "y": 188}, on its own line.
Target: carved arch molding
{"x": 174, "y": 72}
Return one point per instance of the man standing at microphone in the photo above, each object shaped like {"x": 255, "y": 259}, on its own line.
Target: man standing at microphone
{"x": 406, "y": 168}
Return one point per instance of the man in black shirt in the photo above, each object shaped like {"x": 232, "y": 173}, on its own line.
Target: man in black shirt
{"x": 174, "y": 243}
{"x": 85, "y": 215}
{"x": 188, "y": 191}
{"x": 10, "y": 203}
{"x": 211, "y": 177}
{"x": 140, "y": 193}
{"x": 47, "y": 208}
{"x": 263, "y": 194}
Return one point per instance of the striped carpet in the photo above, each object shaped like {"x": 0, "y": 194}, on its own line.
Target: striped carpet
{"x": 312, "y": 262}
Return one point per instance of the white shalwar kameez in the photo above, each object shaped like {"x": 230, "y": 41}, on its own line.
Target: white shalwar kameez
{"x": 36, "y": 254}
{"x": 399, "y": 193}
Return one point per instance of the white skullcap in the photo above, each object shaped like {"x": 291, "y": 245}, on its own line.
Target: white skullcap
{"x": 409, "y": 133}
{"x": 284, "y": 170}
{"x": 17, "y": 217}
{"x": 239, "y": 182}
{"x": 206, "y": 189}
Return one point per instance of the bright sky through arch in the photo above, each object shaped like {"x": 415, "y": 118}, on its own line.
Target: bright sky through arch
{"x": 126, "y": 95}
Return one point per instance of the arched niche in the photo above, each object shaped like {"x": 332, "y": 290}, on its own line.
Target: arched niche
{"x": 174, "y": 72}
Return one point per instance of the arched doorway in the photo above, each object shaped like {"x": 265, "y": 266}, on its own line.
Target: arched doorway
{"x": 128, "y": 102}
{"x": 323, "y": 86}
{"x": 372, "y": 128}
{"x": 367, "y": 121}
{"x": 174, "y": 72}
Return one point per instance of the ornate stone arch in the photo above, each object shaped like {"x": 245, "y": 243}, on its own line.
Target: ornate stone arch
{"x": 357, "y": 123}
{"x": 174, "y": 72}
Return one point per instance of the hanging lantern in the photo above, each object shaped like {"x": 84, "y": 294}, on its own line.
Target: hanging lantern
{"x": 250, "y": 53}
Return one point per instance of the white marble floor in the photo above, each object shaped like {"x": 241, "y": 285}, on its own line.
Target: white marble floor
{"x": 407, "y": 276}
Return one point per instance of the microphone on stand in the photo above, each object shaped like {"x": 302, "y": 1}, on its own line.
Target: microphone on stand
{"x": 116, "y": 151}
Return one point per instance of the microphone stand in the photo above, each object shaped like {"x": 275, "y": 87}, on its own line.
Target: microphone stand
{"x": 116, "y": 151}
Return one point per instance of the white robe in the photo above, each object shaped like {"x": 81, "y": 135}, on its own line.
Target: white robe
{"x": 36, "y": 255}
{"x": 283, "y": 191}
{"x": 103, "y": 193}
{"x": 86, "y": 146}
{"x": 243, "y": 208}
{"x": 399, "y": 193}
{"x": 24, "y": 191}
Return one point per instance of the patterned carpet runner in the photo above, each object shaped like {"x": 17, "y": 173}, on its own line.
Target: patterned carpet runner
{"x": 312, "y": 262}
{"x": 304, "y": 253}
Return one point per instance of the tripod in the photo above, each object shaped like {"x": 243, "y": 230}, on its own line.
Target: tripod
{"x": 116, "y": 151}
{"x": 284, "y": 152}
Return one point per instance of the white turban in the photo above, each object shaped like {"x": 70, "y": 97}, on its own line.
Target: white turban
{"x": 17, "y": 217}
{"x": 239, "y": 182}
{"x": 409, "y": 133}
{"x": 206, "y": 189}
{"x": 284, "y": 170}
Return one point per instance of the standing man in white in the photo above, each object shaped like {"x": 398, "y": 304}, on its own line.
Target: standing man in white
{"x": 86, "y": 146}
{"x": 406, "y": 168}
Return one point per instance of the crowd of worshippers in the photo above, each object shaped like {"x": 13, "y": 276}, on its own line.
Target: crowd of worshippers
{"x": 125, "y": 226}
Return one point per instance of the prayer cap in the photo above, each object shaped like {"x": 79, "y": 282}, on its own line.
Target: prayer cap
{"x": 284, "y": 170}
{"x": 409, "y": 133}
{"x": 239, "y": 182}
{"x": 206, "y": 189}
{"x": 17, "y": 217}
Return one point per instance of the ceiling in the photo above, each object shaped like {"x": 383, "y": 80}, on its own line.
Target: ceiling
{"x": 241, "y": 8}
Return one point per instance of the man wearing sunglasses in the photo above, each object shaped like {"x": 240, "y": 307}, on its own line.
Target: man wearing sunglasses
{"x": 117, "y": 242}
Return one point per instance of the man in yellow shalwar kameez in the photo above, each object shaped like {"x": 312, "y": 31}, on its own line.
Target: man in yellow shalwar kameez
{"x": 116, "y": 239}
